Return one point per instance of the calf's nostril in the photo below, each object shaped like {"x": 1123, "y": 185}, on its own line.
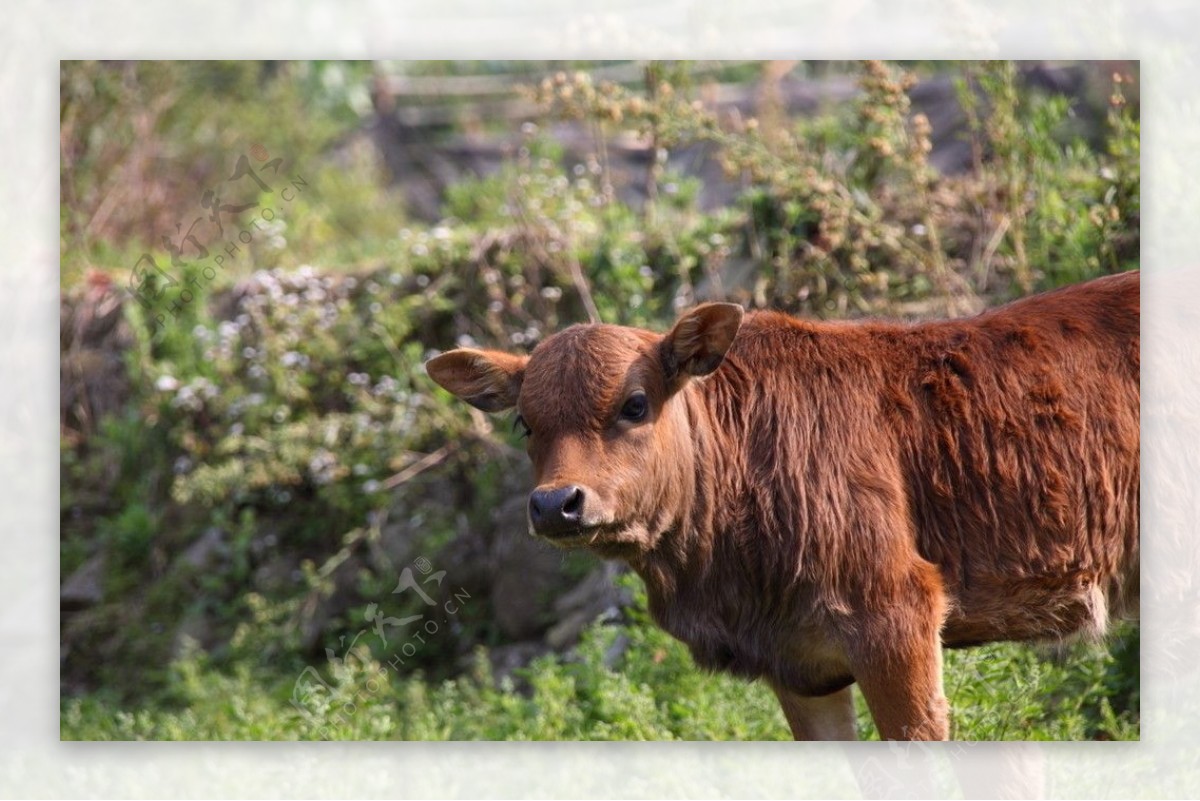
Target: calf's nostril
{"x": 573, "y": 504}
{"x": 535, "y": 509}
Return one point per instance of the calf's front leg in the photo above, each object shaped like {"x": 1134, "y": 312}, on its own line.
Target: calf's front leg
{"x": 905, "y": 697}
{"x": 898, "y": 667}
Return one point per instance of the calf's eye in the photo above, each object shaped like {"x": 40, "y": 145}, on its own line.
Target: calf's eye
{"x": 635, "y": 407}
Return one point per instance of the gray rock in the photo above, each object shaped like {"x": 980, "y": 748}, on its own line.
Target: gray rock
{"x": 566, "y": 632}
{"x": 277, "y": 574}
{"x": 205, "y": 550}
{"x": 615, "y": 651}
{"x": 595, "y": 593}
{"x": 195, "y": 631}
{"x": 595, "y": 596}
{"x": 506, "y": 659}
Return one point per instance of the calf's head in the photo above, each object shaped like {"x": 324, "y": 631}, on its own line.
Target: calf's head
{"x": 605, "y": 412}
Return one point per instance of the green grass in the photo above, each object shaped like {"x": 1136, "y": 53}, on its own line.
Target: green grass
{"x": 624, "y": 682}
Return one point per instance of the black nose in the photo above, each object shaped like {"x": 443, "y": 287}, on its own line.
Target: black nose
{"x": 554, "y": 511}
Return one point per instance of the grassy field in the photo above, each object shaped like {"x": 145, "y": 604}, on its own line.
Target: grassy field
{"x": 624, "y": 682}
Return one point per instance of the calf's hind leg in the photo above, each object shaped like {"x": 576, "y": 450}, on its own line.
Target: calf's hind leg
{"x": 825, "y": 717}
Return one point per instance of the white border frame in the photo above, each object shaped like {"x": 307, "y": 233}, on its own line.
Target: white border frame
{"x": 36, "y": 35}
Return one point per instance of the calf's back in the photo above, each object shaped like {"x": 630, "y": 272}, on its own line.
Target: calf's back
{"x": 1002, "y": 449}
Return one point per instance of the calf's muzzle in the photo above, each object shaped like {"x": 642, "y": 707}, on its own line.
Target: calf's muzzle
{"x": 556, "y": 511}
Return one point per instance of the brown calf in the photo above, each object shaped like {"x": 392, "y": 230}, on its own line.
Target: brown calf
{"x": 817, "y": 504}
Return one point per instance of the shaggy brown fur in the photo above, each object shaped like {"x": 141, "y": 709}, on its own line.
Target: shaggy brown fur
{"x": 817, "y": 504}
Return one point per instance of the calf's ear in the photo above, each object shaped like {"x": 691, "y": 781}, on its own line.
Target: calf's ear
{"x": 487, "y": 379}
{"x": 697, "y": 343}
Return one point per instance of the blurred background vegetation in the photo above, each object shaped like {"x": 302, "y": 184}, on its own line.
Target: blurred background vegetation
{"x": 274, "y": 526}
